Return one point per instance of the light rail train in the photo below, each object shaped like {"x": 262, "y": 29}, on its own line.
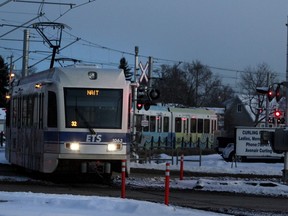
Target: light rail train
{"x": 69, "y": 120}
{"x": 171, "y": 127}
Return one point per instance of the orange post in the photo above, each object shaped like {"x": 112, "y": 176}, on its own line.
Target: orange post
{"x": 182, "y": 167}
{"x": 123, "y": 178}
{"x": 167, "y": 182}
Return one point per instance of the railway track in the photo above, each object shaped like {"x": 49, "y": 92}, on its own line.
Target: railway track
{"x": 223, "y": 202}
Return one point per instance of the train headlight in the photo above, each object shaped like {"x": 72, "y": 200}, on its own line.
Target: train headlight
{"x": 74, "y": 146}
{"x": 114, "y": 147}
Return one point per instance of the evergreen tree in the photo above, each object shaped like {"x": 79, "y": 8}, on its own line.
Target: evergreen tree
{"x": 124, "y": 65}
{"x": 4, "y": 82}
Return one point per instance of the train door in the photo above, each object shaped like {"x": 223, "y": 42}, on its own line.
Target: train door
{"x": 186, "y": 134}
{"x": 181, "y": 130}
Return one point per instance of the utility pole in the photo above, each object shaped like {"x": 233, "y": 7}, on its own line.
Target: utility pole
{"x": 135, "y": 95}
{"x": 267, "y": 103}
{"x": 150, "y": 72}
{"x": 10, "y": 70}
{"x": 25, "y": 53}
{"x": 285, "y": 171}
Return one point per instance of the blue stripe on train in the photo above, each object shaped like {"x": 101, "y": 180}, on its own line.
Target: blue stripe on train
{"x": 51, "y": 136}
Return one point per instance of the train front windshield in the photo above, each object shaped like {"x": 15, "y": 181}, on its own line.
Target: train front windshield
{"x": 93, "y": 108}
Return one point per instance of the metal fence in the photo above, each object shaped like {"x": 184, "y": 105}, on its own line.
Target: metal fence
{"x": 152, "y": 150}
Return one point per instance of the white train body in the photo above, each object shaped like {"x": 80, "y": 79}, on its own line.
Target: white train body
{"x": 69, "y": 119}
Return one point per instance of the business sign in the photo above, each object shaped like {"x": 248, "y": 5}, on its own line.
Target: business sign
{"x": 248, "y": 143}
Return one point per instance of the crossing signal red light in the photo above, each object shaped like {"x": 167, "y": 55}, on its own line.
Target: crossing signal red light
{"x": 277, "y": 114}
{"x": 270, "y": 93}
{"x": 139, "y": 106}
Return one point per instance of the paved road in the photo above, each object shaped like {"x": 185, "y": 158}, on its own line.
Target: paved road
{"x": 237, "y": 204}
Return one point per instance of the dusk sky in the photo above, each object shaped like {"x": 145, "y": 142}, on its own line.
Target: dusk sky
{"x": 227, "y": 34}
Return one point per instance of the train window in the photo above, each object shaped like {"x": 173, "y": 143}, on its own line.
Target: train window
{"x": 166, "y": 124}
{"x": 129, "y": 110}
{"x": 146, "y": 129}
{"x": 40, "y": 112}
{"x": 35, "y": 110}
{"x": 200, "y": 125}
{"x": 138, "y": 123}
{"x": 18, "y": 111}
{"x": 30, "y": 101}
{"x": 14, "y": 112}
{"x": 52, "y": 110}
{"x": 152, "y": 123}
{"x": 193, "y": 125}
{"x": 215, "y": 125}
{"x": 178, "y": 126}
{"x": 24, "y": 112}
{"x": 159, "y": 124}
{"x": 185, "y": 125}
{"x": 206, "y": 125}
{"x": 93, "y": 108}
{"x": 8, "y": 113}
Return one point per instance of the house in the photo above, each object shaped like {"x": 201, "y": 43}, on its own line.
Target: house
{"x": 238, "y": 113}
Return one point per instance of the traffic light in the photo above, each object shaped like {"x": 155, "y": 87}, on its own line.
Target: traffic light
{"x": 270, "y": 93}
{"x": 146, "y": 97}
{"x": 141, "y": 97}
{"x": 154, "y": 94}
{"x": 139, "y": 105}
{"x": 277, "y": 114}
{"x": 278, "y": 94}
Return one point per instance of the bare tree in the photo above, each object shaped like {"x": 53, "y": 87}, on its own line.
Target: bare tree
{"x": 261, "y": 76}
{"x": 205, "y": 89}
{"x": 192, "y": 85}
{"x": 172, "y": 84}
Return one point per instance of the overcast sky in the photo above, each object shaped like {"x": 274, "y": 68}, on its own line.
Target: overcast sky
{"x": 228, "y": 34}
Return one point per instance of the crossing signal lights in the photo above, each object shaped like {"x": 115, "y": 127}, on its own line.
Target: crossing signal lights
{"x": 154, "y": 94}
{"x": 270, "y": 93}
{"x": 278, "y": 94}
{"x": 277, "y": 114}
{"x": 139, "y": 105}
{"x": 146, "y": 97}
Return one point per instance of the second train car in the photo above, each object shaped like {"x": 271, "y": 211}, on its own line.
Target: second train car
{"x": 176, "y": 127}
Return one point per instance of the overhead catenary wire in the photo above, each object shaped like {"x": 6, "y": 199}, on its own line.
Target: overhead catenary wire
{"x": 85, "y": 42}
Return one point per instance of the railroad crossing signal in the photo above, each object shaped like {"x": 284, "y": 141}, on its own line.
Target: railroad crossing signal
{"x": 143, "y": 76}
{"x": 146, "y": 97}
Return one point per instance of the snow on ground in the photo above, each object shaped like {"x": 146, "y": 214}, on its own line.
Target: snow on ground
{"x": 215, "y": 164}
{"x": 35, "y": 204}
{"x": 32, "y": 204}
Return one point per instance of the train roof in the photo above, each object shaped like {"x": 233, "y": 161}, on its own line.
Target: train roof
{"x": 193, "y": 110}
{"x": 74, "y": 76}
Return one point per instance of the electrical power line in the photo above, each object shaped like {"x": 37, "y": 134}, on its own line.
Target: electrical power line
{"x": 99, "y": 46}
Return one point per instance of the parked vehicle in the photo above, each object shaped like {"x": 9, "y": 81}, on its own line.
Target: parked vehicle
{"x": 222, "y": 143}
{"x": 229, "y": 152}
